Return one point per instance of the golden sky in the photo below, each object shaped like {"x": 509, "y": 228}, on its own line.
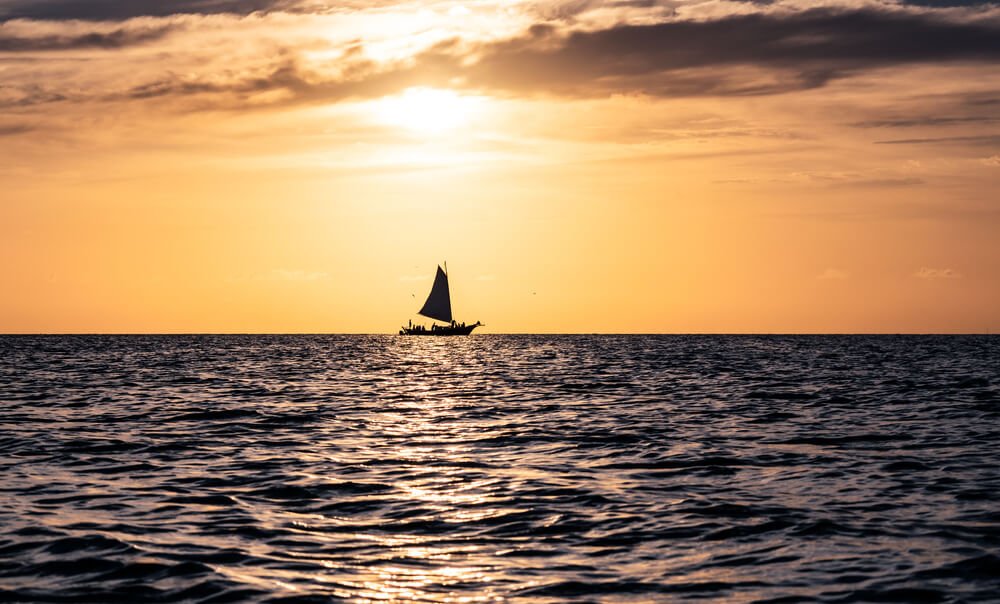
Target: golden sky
{"x": 647, "y": 166}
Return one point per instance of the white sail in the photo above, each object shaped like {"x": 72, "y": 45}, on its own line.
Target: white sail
{"x": 438, "y": 304}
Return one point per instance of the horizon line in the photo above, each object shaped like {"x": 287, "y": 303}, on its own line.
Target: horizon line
{"x": 510, "y": 333}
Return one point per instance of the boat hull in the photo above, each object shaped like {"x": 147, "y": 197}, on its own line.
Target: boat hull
{"x": 447, "y": 330}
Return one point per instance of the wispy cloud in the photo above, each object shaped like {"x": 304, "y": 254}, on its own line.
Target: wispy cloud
{"x": 869, "y": 183}
{"x": 927, "y": 121}
{"x": 986, "y": 140}
{"x": 15, "y": 129}
{"x": 937, "y": 273}
{"x": 118, "y": 37}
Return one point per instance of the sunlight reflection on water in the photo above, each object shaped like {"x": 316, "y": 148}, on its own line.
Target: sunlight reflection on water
{"x": 390, "y": 469}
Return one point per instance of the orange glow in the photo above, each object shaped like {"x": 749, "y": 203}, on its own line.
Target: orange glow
{"x": 319, "y": 194}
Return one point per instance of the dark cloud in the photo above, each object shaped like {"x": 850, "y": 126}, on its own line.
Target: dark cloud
{"x": 982, "y": 101}
{"x": 117, "y": 38}
{"x": 949, "y": 3}
{"x": 791, "y": 51}
{"x": 100, "y": 10}
{"x": 738, "y": 55}
{"x": 988, "y": 140}
{"x": 925, "y": 121}
{"x": 286, "y": 75}
{"x": 14, "y": 129}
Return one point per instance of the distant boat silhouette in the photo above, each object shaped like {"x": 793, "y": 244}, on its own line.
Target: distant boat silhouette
{"x": 438, "y": 307}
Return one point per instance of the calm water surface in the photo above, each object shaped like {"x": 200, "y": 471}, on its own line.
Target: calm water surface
{"x": 491, "y": 468}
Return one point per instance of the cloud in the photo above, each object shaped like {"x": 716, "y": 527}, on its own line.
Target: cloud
{"x": 880, "y": 182}
{"x": 761, "y": 53}
{"x": 733, "y": 56}
{"x": 116, "y": 38}
{"x": 105, "y": 10}
{"x": 978, "y": 100}
{"x": 993, "y": 160}
{"x": 936, "y": 273}
{"x": 14, "y": 129}
{"x": 870, "y": 179}
{"x": 833, "y": 274}
{"x": 552, "y": 10}
{"x": 206, "y": 62}
{"x": 949, "y": 3}
{"x": 925, "y": 121}
{"x": 989, "y": 140}
{"x": 226, "y": 62}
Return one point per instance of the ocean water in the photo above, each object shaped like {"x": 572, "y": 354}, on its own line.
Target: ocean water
{"x": 494, "y": 468}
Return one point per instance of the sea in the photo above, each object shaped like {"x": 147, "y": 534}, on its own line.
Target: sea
{"x": 493, "y": 468}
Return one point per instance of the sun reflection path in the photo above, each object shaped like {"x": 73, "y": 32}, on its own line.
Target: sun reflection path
{"x": 423, "y": 492}
{"x": 432, "y": 554}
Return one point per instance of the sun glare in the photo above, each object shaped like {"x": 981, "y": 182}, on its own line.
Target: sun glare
{"x": 427, "y": 110}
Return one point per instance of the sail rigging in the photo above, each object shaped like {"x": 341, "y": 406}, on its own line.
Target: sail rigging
{"x": 438, "y": 307}
{"x": 438, "y": 304}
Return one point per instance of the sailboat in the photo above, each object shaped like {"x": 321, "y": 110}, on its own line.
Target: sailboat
{"x": 438, "y": 307}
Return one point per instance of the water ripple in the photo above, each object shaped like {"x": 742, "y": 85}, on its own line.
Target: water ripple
{"x": 550, "y": 468}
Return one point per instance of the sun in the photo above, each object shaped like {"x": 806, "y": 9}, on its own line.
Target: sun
{"x": 426, "y": 110}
